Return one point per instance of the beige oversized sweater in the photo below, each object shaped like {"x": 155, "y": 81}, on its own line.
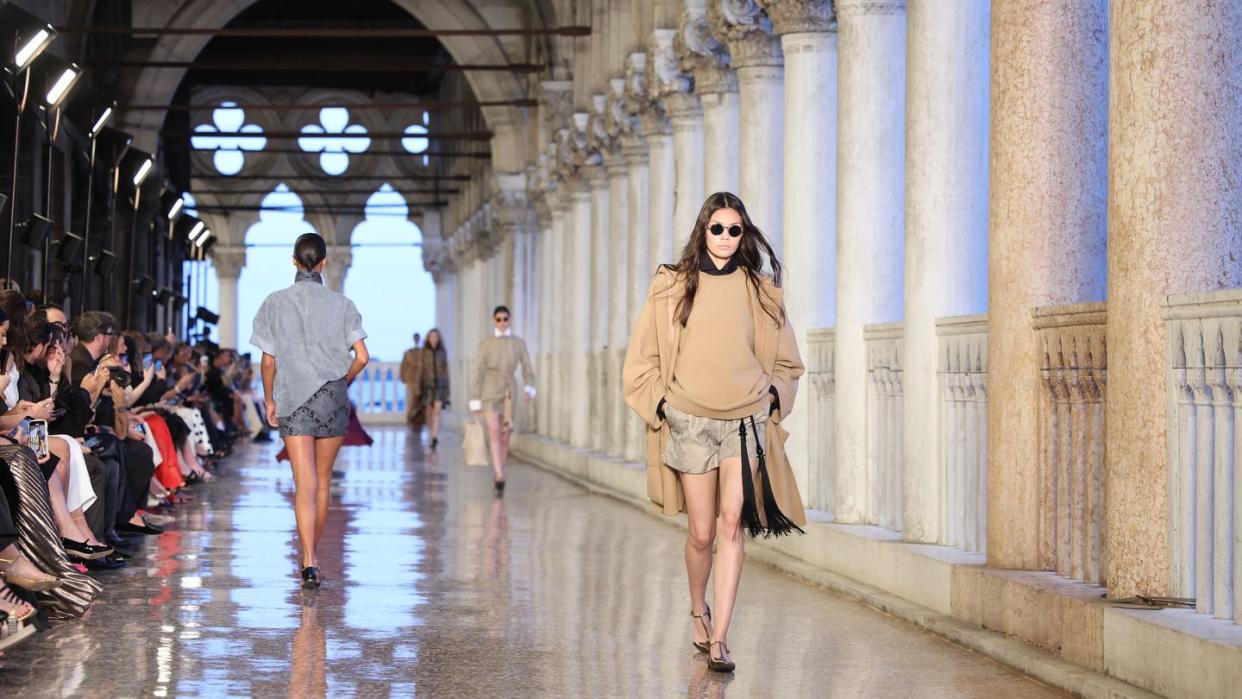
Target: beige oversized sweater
{"x": 717, "y": 374}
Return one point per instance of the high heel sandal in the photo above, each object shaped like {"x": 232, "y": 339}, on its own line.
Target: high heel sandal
{"x": 500, "y": 488}
{"x": 310, "y": 578}
{"x": 703, "y": 647}
{"x": 13, "y": 602}
{"x": 719, "y": 664}
{"x": 47, "y": 582}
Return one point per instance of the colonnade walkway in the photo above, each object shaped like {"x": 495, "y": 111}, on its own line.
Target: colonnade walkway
{"x": 433, "y": 587}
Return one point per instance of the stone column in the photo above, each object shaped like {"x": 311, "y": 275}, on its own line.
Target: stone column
{"x": 228, "y": 263}
{"x": 618, "y": 301}
{"x": 809, "y": 43}
{"x": 1175, "y": 201}
{"x": 756, "y": 56}
{"x": 602, "y": 269}
{"x": 946, "y": 221}
{"x": 668, "y": 84}
{"x": 870, "y": 200}
{"x": 715, "y": 84}
{"x": 578, "y": 398}
{"x": 560, "y": 311}
{"x": 1046, "y": 241}
{"x": 340, "y": 257}
{"x": 662, "y": 173}
{"x": 637, "y": 192}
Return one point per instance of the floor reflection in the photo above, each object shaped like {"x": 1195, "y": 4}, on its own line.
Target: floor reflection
{"x": 434, "y": 587}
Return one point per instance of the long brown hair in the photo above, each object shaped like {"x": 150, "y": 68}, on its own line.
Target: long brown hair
{"x": 750, "y": 256}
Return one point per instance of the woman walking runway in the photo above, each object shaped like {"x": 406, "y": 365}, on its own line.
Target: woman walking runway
{"x": 307, "y": 334}
{"x": 712, "y": 367}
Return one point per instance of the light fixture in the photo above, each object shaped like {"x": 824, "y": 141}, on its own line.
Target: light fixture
{"x": 143, "y": 170}
{"x": 113, "y": 145}
{"x": 174, "y": 209}
{"x": 101, "y": 121}
{"x": 203, "y": 238}
{"x": 31, "y": 35}
{"x": 62, "y": 80}
{"x": 198, "y": 228}
{"x": 36, "y": 230}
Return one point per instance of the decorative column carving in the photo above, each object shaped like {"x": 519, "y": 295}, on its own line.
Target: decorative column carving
{"x": 809, "y": 250}
{"x": 228, "y": 263}
{"x": 870, "y": 201}
{"x": 666, "y": 82}
{"x": 715, "y": 83}
{"x": 755, "y": 53}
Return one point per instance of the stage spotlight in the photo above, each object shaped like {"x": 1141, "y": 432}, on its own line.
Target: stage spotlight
{"x": 136, "y": 165}
{"x": 207, "y": 316}
{"x": 31, "y": 35}
{"x": 184, "y": 225}
{"x": 36, "y": 230}
{"x": 199, "y": 229}
{"x": 202, "y": 239}
{"x": 105, "y": 115}
{"x": 70, "y": 248}
{"x": 105, "y": 262}
{"x": 163, "y": 295}
{"x": 179, "y": 302}
{"x": 57, "y": 76}
{"x": 173, "y": 203}
{"x": 112, "y": 144}
{"x": 143, "y": 285}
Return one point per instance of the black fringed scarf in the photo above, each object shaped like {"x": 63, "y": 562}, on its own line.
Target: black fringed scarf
{"x": 778, "y": 523}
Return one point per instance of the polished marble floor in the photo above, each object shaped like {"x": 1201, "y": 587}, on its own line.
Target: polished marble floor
{"x": 435, "y": 588}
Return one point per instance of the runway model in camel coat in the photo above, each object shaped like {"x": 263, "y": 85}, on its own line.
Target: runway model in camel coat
{"x": 648, "y": 372}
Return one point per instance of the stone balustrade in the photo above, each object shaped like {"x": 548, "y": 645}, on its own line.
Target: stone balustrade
{"x": 1073, "y": 368}
{"x": 884, "y": 350}
{"x": 1205, "y": 411}
{"x": 820, "y": 384}
{"x": 962, "y": 367}
{"x": 378, "y": 393}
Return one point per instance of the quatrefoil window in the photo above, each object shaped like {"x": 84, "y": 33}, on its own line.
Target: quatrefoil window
{"x": 228, "y": 122}
{"x": 334, "y": 138}
{"x": 416, "y": 141}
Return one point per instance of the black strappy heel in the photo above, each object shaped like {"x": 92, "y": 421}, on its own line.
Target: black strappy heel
{"x": 707, "y": 613}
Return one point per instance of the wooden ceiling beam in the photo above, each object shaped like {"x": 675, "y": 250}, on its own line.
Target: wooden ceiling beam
{"x": 320, "y": 32}
{"x": 339, "y": 65}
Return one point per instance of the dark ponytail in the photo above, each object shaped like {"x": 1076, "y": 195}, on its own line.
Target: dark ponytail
{"x": 309, "y": 251}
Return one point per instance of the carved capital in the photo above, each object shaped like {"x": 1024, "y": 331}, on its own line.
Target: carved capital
{"x": 620, "y": 121}
{"x": 683, "y": 107}
{"x": 664, "y": 73}
{"x": 857, "y": 8}
{"x": 556, "y": 102}
{"x": 228, "y": 261}
{"x": 599, "y": 136}
{"x": 747, "y": 30}
{"x": 582, "y": 152}
{"x": 702, "y": 54}
{"x": 800, "y": 16}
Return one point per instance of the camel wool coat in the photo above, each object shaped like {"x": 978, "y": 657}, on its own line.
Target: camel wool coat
{"x": 648, "y": 371}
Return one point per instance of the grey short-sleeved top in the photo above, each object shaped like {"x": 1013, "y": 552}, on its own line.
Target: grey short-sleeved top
{"x": 309, "y": 329}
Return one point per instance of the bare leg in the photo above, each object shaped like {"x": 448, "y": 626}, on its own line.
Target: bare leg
{"x": 433, "y": 419}
{"x": 64, "y": 520}
{"x": 20, "y": 564}
{"x": 700, "y": 492}
{"x": 305, "y": 493}
{"x": 325, "y": 458}
{"x": 498, "y": 459}
{"x": 729, "y": 550}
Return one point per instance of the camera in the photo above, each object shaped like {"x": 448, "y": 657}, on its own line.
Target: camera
{"x": 120, "y": 377}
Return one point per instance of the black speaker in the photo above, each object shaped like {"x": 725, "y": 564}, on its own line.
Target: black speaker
{"x": 104, "y": 262}
{"x": 163, "y": 295}
{"x": 35, "y": 231}
{"x": 179, "y": 302}
{"x": 4, "y": 198}
{"x": 143, "y": 285}
{"x": 70, "y": 248}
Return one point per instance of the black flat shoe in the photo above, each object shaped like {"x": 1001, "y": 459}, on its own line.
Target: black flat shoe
{"x": 105, "y": 563}
{"x": 310, "y": 578}
{"x": 719, "y": 664}
{"x": 84, "y": 551}
{"x": 500, "y": 488}
{"x": 434, "y": 442}
{"x": 147, "y": 529}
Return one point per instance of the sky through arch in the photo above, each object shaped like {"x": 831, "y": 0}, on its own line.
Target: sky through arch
{"x": 269, "y": 257}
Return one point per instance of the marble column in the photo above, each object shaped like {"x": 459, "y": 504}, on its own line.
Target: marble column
{"x": 578, "y": 397}
{"x": 870, "y": 201}
{"x": 1046, "y": 240}
{"x": 602, "y": 269}
{"x": 671, "y": 87}
{"x": 661, "y": 174}
{"x": 809, "y": 44}
{"x": 561, "y": 313}
{"x": 946, "y": 221}
{"x": 715, "y": 84}
{"x": 1175, "y": 201}
{"x": 756, "y": 56}
{"x": 340, "y": 257}
{"x": 637, "y": 193}
{"x": 228, "y": 263}
{"x": 618, "y": 301}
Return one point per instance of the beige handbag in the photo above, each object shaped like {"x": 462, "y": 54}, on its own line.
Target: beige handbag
{"x": 474, "y": 443}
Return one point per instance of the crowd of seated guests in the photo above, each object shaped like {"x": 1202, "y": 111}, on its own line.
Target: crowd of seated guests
{"x": 133, "y": 420}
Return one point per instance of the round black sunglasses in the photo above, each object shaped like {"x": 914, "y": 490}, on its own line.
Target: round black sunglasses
{"x": 718, "y": 228}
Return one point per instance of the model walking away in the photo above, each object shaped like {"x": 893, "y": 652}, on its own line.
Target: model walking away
{"x": 494, "y": 388}
{"x": 712, "y": 367}
{"x": 312, "y": 343}
{"x": 435, "y": 383}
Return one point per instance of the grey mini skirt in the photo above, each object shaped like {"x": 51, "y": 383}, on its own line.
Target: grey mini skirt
{"x": 325, "y": 414}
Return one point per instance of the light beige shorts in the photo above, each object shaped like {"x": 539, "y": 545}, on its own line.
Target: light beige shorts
{"x": 699, "y": 444}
